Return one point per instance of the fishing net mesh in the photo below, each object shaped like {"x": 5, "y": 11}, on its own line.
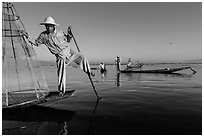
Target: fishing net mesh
{"x": 22, "y": 76}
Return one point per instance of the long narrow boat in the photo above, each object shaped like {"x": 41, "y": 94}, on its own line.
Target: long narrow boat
{"x": 162, "y": 71}
{"x": 48, "y": 97}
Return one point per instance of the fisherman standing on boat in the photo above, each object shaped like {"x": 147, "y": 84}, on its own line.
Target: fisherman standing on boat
{"x": 58, "y": 44}
{"x": 102, "y": 67}
{"x": 117, "y": 62}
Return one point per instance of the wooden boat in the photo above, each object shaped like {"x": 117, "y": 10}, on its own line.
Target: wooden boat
{"x": 130, "y": 65}
{"x": 162, "y": 71}
{"x": 137, "y": 66}
{"x": 48, "y": 97}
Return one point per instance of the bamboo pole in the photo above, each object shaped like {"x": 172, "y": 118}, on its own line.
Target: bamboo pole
{"x": 89, "y": 75}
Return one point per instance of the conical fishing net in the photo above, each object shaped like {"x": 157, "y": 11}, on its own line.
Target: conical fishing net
{"x": 22, "y": 77}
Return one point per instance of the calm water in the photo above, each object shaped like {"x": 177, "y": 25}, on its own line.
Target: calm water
{"x": 131, "y": 104}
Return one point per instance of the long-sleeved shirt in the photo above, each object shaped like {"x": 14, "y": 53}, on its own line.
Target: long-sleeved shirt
{"x": 55, "y": 42}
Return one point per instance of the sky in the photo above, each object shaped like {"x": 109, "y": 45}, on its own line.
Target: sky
{"x": 143, "y": 31}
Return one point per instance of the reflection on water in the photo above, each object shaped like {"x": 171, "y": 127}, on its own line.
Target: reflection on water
{"x": 137, "y": 78}
{"x": 103, "y": 76}
{"x": 134, "y": 103}
{"x": 52, "y": 128}
{"x": 38, "y": 119}
{"x": 91, "y": 125}
{"x": 134, "y": 77}
{"x": 117, "y": 80}
{"x": 64, "y": 130}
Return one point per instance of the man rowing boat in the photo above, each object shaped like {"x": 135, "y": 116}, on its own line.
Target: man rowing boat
{"x": 130, "y": 64}
{"x": 58, "y": 44}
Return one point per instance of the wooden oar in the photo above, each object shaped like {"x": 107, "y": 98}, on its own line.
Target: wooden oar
{"x": 89, "y": 75}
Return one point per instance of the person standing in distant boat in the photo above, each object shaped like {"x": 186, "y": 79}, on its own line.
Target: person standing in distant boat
{"x": 118, "y": 61}
{"x": 58, "y": 44}
{"x": 130, "y": 64}
{"x": 102, "y": 67}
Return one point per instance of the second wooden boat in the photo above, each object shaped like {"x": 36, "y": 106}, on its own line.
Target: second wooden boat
{"x": 163, "y": 71}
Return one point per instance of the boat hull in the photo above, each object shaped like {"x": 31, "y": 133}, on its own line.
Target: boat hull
{"x": 50, "y": 97}
{"x": 161, "y": 71}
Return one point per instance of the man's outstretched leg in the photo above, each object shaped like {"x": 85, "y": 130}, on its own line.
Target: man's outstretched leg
{"x": 80, "y": 60}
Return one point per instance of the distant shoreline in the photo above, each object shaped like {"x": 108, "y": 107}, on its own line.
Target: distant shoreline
{"x": 148, "y": 63}
{"x": 52, "y": 63}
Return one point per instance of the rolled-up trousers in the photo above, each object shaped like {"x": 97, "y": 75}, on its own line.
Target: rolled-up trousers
{"x": 64, "y": 60}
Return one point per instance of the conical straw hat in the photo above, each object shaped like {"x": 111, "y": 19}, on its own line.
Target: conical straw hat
{"x": 49, "y": 20}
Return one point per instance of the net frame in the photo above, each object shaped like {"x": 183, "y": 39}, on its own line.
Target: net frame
{"x": 23, "y": 78}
